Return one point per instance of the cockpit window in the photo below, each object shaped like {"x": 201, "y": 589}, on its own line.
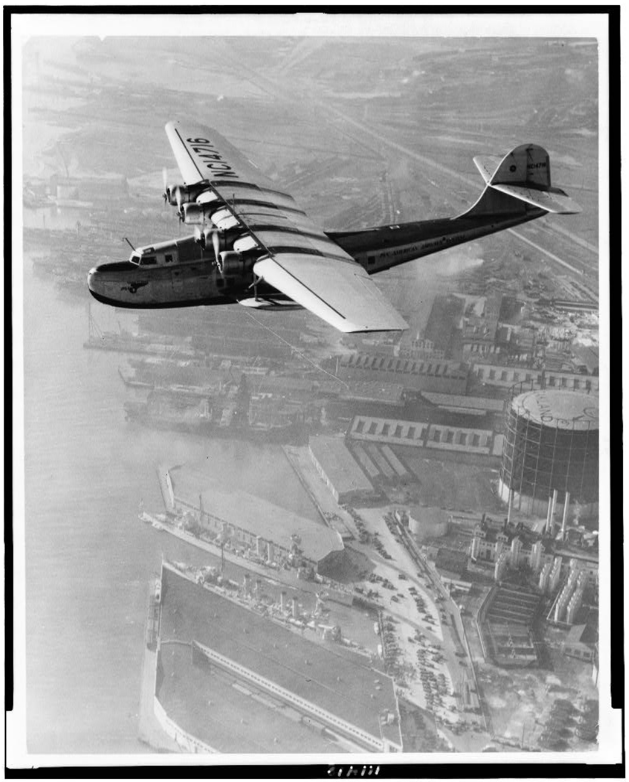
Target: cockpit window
{"x": 135, "y": 258}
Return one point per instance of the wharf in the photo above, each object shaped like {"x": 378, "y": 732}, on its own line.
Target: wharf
{"x": 130, "y": 345}
{"x": 279, "y": 576}
{"x": 332, "y": 515}
{"x": 150, "y": 731}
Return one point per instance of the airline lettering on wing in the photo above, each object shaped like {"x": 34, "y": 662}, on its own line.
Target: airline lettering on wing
{"x": 536, "y": 165}
{"x": 210, "y": 157}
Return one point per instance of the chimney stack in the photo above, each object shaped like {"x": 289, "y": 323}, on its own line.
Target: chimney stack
{"x": 548, "y": 525}
{"x": 552, "y": 515}
{"x": 566, "y": 506}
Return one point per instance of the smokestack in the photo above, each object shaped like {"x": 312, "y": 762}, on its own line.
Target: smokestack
{"x": 548, "y": 526}
{"x": 246, "y": 584}
{"x": 283, "y": 601}
{"x": 566, "y": 505}
{"x": 552, "y": 515}
{"x": 295, "y": 608}
{"x": 258, "y": 587}
{"x": 509, "y": 506}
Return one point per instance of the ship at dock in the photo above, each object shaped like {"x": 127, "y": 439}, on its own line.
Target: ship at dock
{"x": 225, "y": 411}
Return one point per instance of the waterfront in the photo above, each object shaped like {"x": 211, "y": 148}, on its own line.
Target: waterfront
{"x": 87, "y": 558}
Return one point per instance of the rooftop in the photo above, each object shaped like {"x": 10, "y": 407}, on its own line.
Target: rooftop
{"x": 560, "y": 409}
{"x": 342, "y": 683}
{"x": 339, "y": 464}
{"x": 374, "y": 390}
{"x": 221, "y": 713}
{"x": 464, "y": 402}
{"x": 257, "y": 516}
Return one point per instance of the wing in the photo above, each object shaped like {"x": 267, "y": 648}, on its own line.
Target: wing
{"x": 295, "y": 256}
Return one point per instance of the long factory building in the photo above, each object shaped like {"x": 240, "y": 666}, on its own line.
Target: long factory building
{"x": 230, "y": 680}
{"x": 336, "y": 465}
{"x": 252, "y": 527}
{"x": 448, "y": 377}
{"x": 425, "y": 435}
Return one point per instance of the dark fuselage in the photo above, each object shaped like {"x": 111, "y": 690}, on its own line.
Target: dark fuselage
{"x": 181, "y": 273}
{"x": 377, "y": 249}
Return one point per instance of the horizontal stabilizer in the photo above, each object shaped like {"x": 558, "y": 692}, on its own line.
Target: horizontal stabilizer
{"x": 339, "y": 292}
{"x": 487, "y": 166}
{"x": 523, "y": 175}
{"x": 553, "y": 200}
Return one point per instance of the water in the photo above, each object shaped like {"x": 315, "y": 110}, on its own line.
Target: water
{"x": 88, "y": 558}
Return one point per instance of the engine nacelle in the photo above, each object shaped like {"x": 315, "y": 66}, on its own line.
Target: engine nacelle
{"x": 195, "y": 213}
{"x": 184, "y": 194}
{"x": 230, "y": 262}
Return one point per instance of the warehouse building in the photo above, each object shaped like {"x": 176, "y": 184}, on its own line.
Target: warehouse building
{"x": 464, "y": 405}
{"x": 340, "y": 471}
{"x": 448, "y": 377}
{"x": 336, "y": 694}
{"x": 254, "y": 528}
{"x": 507, "y": 377}
{"x": 424, "y": 435}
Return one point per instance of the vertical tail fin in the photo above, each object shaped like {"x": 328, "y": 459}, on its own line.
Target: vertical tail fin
{"x": 519, "y": 183}
{"x": 526, "y": 165}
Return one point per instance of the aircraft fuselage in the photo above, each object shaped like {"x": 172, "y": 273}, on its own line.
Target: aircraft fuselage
{"x": 181, "y": 273}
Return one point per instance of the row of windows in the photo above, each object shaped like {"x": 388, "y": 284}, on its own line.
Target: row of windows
{"x": 418, "y": 432}
{"x": 398, "y": 365}
{"x": 558, "y": 381}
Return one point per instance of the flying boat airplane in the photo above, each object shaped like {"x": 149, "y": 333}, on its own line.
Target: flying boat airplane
{"x": 254, "y": 245}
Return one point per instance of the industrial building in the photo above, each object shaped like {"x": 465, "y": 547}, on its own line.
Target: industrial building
{"x": 340, "y": 471}
{"x": 581, "y": 642}
{"x": 509, "y": 546}
{"x": 464, "y": 405}
{"x": 504, "y": 622}
{"x": 423, "y": 435}
{"x": 507, "y": 377}
{"x": 379, "y": 461}
{"x": 285, "y": 687}
{"x": 252, "y": 527}
{"x": 551, "y": 445}
{"x": 448, "y": 377}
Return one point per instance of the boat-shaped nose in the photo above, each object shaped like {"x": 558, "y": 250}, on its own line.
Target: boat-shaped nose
{"x": 100, "y": 278}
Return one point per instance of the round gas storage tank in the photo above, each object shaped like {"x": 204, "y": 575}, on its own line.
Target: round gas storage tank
{"x": 551, "y": 444}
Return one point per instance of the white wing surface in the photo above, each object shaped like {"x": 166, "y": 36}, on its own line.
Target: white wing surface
{"x": 297, "y": 258}
{"x": 342, "y": 294}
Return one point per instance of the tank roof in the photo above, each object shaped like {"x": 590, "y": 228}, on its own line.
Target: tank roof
{"x": 559, "y": 409}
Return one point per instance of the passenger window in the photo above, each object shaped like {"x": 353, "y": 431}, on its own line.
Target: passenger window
{"x": 168, "y": 258}
{"x": 149, "y": 260}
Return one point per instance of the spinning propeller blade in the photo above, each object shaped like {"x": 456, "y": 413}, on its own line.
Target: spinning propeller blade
{"x": 166, "y": 192}
{"x": 216, "y": 244}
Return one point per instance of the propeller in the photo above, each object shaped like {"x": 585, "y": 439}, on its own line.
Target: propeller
{"x": 179, "y": 203}
{"x": 201, "y": 237}
{"x": 166, "y": 192}
{"x": 216, "y": 243}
